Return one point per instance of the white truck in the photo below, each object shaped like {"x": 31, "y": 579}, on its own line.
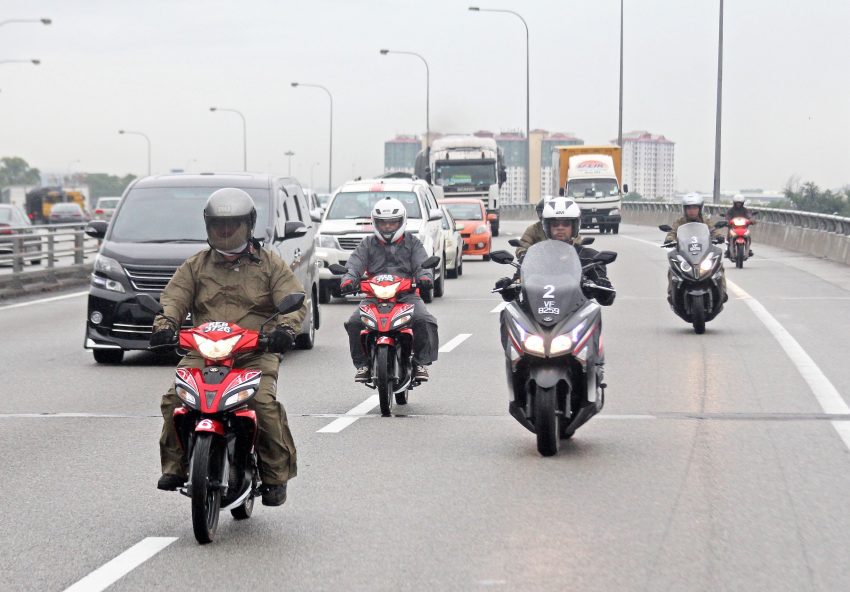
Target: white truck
{"x": 591, "y": 176}
{"x": 466, "y": 166}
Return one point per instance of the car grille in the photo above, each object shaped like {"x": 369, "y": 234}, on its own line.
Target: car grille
{"x": 150, "y": 278}
{"x": 349, "y": 243}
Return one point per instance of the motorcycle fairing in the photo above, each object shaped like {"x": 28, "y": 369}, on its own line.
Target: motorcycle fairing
{"x": 694, "y": 242}
{"x": 551, "y": 281}
{"x": 216, "y": 394}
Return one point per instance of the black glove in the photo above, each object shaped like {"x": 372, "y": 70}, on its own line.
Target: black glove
{"x": 425, "y": 283}
{"x": 503, "y": 283}
{"x": 281, "y": 340}
{"x": 348, "y": 286}
{"x": 163, "y": 337}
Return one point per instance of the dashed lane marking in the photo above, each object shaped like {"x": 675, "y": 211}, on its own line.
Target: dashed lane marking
{"x": 109, "y": 573}
{"x": 351, "y": 416}
{"x": 500, "y": 307}
{"x": 453, "y": 343}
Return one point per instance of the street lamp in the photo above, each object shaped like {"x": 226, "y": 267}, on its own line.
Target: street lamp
{"x": 527, "y": 95}
{"x": 331, "y": 146}
{"x": 122, "y": 132}
{"x": 289, "y": 154}
{"x": 34, "y": 62}
{"x": 244, "y": 134}
{"x": 427, "y": 91}
{"x": 44, "y": 21}
{"x": 716, "y": 198}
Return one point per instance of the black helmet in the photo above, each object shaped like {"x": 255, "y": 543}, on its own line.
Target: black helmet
{"x": 229, "y": 217}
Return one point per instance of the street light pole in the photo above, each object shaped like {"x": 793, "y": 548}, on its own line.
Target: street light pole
{"x": 620, "y": 120}
{"x": 527, "y": 97}
{"x": 146, "y": 138}
{"x": 331, "y": 147}
{"x": 44, "y": 21}
{"x": 716, "y": 197}
{"x": 244, "y": 134}
{"x": 289, "y": 154}
{"x": 427, "y": 92}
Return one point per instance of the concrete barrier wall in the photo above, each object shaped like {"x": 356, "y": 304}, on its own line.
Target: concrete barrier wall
{"x": 812, "y": 234}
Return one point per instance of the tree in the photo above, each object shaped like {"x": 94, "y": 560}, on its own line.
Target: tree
{"x": 101, "y": 184}
{"x": 808, "y": 197}
{"x": 633, "y": 196}
{"x": 15, "y": 171}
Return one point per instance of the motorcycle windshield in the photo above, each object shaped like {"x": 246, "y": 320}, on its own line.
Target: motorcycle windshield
{"x": 694, "y": 240}
{"x": 551, "y": 281}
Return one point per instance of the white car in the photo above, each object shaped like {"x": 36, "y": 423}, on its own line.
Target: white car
{"x": 347, "y": 220}
{"x": 453, "y": 245}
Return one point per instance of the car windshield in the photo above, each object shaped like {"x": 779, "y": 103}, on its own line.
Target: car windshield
{"x": 162, "y": 214}
{"x": 358, "y": 204}
{"x": 454, "y": 175}
{"x": 592, "y": 187}
{"x": 464, "y": 211}
{"x": 108, "y": 202}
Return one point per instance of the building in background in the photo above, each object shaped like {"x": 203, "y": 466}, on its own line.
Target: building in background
{"x": 400, "y": 154}
{"x": 512, "y": 142}
{"x": 648, "y": 165}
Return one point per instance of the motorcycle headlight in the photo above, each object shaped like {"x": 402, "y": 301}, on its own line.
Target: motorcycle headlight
{"x": 368, "y": 321}
{"x": 560, "y": 344}
{"x": 403, "y": 319}
{"x": 707, "y": 264}
{"x": 686, "y": 267}
{"x": 216, "y": 350}
{"x": 534, "y": 344}
{"x": 327, "y": 242}
{"x": 481, "y": 229}
{"x": 186, "y": 396}
{"x": 238, "y": 397}
{"x": 385, "y": 292}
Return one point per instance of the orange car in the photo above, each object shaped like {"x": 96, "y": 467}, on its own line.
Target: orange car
{"x": 476, "y": 224}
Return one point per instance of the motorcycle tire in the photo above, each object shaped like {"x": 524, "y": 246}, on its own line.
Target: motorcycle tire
{"x": 401, "y": 398}
{"x": 698, "y": 314}
{"x": 384, "y": 380}
{"x": 546, "y": 420}
{"x": 206, "y": 500}
{"x": 246, "y": 508}
{"x": 739, "y": 257}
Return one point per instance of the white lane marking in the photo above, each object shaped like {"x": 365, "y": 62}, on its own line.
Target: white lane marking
{"x": 350, "y": 417}
{"x": 111, "y": 572}
{"x": 500, "y": 307}
{"x": 453, "y": 343}
{"x": 42, "y": 300}
{"x": 824, "y": 391}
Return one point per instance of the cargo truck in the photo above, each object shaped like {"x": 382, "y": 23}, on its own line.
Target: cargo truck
{"x": 466, "y": 166}
{"x": 592, "y": 176}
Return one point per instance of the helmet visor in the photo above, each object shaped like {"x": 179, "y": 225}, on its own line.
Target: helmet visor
{"x": 228, "y": 233}
{"x": 561, "y": 228}
{"x": 387, "y": 227}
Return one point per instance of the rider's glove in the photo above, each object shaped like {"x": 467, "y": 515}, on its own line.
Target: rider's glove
{"x": 281, "y": 340}
{"x": 347, "y": 286}
{"x": 503, "y": 283}
{"x": 163, "y": 337}
{"x": 425, "y": 282}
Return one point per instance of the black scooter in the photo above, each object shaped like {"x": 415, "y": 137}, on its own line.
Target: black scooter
{"x": 551, "y": 338}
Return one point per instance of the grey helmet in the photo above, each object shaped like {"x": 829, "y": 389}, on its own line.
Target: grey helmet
{"x": 230, "y": 217}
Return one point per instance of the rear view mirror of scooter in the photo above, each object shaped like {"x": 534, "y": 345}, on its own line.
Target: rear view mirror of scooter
{"x": 605, "y": 257}
{"x": 289, "y": 303}
{"x": 337, "y": 269}
{"x": 149, "y": 303}
{"x": 665, "y": 227}
{"x": 514, "y": 242}
{"x": 431, "y": 262}
{"x": 502, "y": 257}
{"x": 721, "y": 224}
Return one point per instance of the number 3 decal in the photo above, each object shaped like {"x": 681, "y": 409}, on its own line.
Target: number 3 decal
{"x": 550, "y": 292}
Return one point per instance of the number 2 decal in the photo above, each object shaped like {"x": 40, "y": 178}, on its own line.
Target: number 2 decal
{"x": 550, "y": 292}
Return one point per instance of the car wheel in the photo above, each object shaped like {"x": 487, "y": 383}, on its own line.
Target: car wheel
{"x": 108, "y": 356}
{"x": 308, "y": 340}
{"x": 440, "y": 284}
{"x": 451, "y": 273}
{"x": 459, "y": 263}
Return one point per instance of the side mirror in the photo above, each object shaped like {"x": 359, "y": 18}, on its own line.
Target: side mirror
{"x": 665, "y": 227}
{"x": 491, "y": 217}
{"x": 293, "y": 230}
{"x": 459, "y": 226}
{"x": 514, "y": 242}
{"x": 625, "y": 187}
{"x": 605, "y": 257}
{"x": 96, "y": 228}
{"x": 588, "y": 240}
{"x": 428, "y": 176}
{"x": 316, "y": 214}
{"x": 338, "y": 269}
{"x": 561, "y": 192}
{"x": 291, "y": 302}
{"x": 435, "y": 214}
{"x": 149, "y": 303}
{"x": 431, "y": 262}
{"x": 721, "y": 224}
{"x": 502, "y": 257}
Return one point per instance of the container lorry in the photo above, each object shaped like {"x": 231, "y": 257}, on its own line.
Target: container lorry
{"x": 466, "y": 166}
{"x": 592, "y": 176}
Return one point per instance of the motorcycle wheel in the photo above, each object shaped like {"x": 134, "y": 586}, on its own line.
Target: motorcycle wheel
{"x": 401, "y": 398}
{"x": 698, "y": 314}
{"x": 385, "y": 381}
{"x": 244, "y": 511}
{"x": 546, "y": 420}
{"x": 206, "y": 500}
{"x": 739, "y": 257}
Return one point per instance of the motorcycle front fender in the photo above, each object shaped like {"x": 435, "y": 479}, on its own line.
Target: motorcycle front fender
{"x": 210, "y": 425}
{"x": 548, "y": 376}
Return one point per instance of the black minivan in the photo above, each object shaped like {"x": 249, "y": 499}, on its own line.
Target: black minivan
{"x": 159, "y": 224}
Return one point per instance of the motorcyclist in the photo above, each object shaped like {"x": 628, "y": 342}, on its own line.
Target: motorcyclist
{"x": 534, "y": 233}
{"x": 392, "y": 250}
{"x": 237, "y": 281}
{"x": 561, "y": 220}
{"x": 739, "y": 210}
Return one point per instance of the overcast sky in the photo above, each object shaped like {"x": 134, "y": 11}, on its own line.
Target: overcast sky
{"x": 157, "y": 66}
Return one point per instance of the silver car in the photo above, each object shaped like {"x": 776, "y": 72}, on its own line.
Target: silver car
{"x": 105, "y": 208}
{"x": 453, "y": 245}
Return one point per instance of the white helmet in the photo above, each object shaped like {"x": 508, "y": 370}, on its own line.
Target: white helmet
{"x": 692, "y": 199}
{"x": 389, "y": 219}
{"x": 561, "y": 208}
{"x": 739, "y": 199}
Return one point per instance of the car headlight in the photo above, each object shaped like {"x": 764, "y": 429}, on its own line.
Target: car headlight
{"x": 368, "y": 321}
{"x": 534, "y": 344}
{"x": 615, "y": 212}
{"x": 107, "y": 266}
{"x": 401, "y": 321}
{"x": 327, "y": 242}
{"x": 481, "y": 229}
{"x": 560, "y": 344}
{"x": 187, "y": 396}
{"x": 107, "y": 284}
{"x": 216, "y": 350}
{"x": 238, "y": 397}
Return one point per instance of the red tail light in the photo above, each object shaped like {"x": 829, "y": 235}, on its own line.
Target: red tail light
{"x": 98, "y": 211}
{"x": 4, "y": 229}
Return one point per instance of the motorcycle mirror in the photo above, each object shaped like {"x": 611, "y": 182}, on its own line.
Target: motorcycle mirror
{"x": 587, "y": 240}
{"x": 514, "y": 242}
{"x": 721, "y": 224}
{"x": 291, "y": 302}
{"x": 431, "y": 262}
{"x": 502, "y": 257}
{"x": 337, "y": 269}
{"x": 665, "y": 227}
{"x": 149, "y": 303}
{"x": 605, "y": 257}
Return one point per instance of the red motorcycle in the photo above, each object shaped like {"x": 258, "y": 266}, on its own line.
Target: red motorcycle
{"x": 738, "y": 240}
{"x": 217, "y": 430}
{"x": 387, "y": 335}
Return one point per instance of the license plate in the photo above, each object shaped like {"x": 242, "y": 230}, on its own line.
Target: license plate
{"x": 593, "y": 220}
